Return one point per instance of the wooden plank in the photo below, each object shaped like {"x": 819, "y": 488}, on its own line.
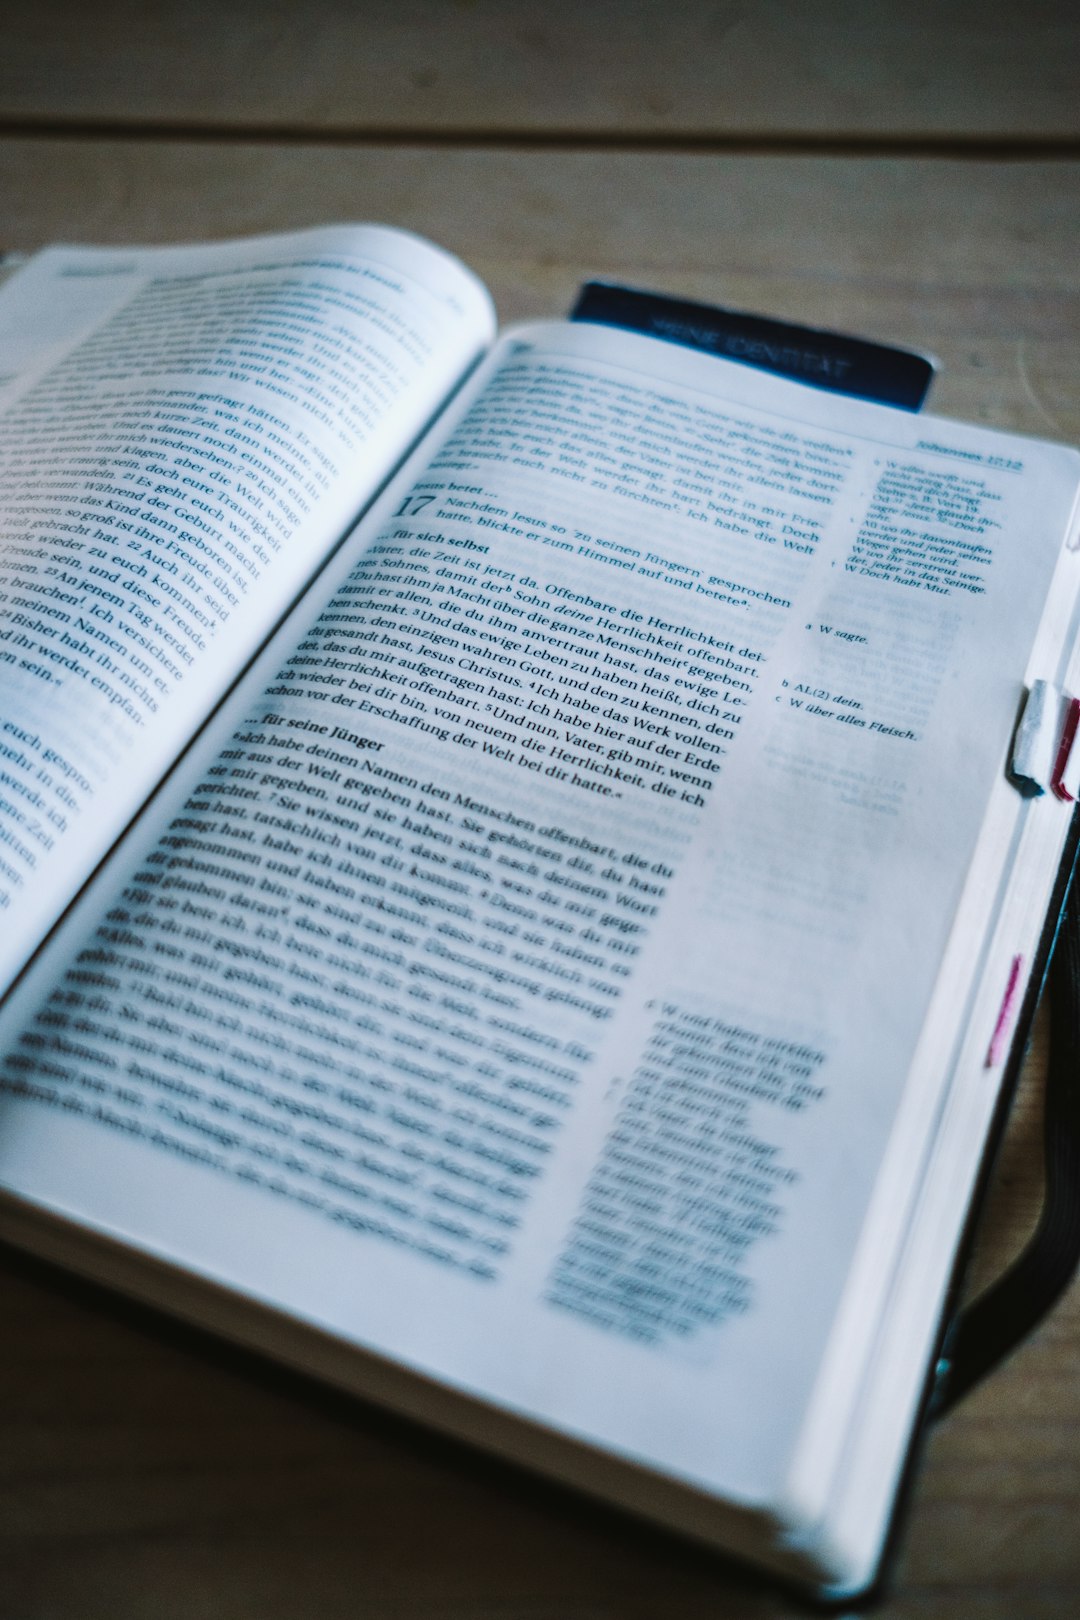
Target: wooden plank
{"x": 144, "y": 1470}
{"x": 833, "y": 69}
{"x": 975, "y": 261}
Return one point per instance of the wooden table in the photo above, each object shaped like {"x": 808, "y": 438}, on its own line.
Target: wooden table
{"x": 909, "y": 171}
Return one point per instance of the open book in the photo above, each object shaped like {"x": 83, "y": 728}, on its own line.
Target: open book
{"x": 557, "y": 971}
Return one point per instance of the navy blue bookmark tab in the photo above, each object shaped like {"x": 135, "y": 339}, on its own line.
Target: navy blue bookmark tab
{"x": 832, "y": 360}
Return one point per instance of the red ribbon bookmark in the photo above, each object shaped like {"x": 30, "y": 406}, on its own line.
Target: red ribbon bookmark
{"x": 1072, "y": 718}
{"x": 999, "y": 1040}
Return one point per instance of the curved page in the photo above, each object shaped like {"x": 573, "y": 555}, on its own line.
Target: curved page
{"x": 185, "y": 433}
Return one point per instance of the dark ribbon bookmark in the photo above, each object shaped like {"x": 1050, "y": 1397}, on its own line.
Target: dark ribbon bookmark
{"x": 992, "y": 1326}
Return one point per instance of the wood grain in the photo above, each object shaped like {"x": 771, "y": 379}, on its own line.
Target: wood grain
{"x": 146, "y": 1471}
{"x": 974, "y": 261}
{"x": 619, "y": 69}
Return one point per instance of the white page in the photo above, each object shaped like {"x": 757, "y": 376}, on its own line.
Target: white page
{"x": 186, "y": 433}
{"x": 796, "y": 909}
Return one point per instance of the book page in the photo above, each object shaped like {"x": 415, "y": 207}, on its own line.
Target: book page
{"x": 186, "y": 433}
{"x": 522, "y": 977}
